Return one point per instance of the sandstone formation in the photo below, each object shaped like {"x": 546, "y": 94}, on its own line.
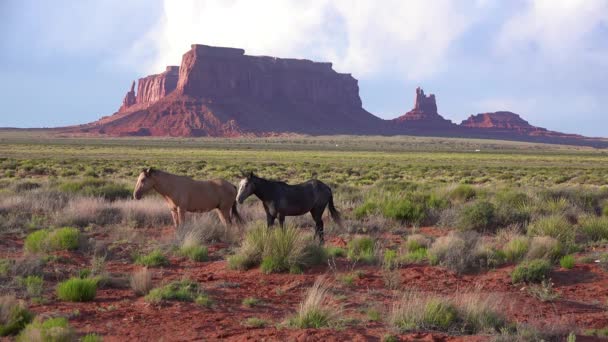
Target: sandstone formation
{"x": 424, "y": 114}
{"x": 223, "y": 92}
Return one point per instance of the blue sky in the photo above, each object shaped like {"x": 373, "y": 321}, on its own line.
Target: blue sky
{"x": 70, "y": 62}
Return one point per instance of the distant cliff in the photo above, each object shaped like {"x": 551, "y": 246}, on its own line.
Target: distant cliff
{"x": 223, "y": 92}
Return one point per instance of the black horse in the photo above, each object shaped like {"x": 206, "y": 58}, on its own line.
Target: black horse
{"x": 281, "y": 199}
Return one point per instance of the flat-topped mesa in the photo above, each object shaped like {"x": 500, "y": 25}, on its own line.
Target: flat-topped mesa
{"x": 224, "y": 75}
{"x": 502, "y": 120}
{"x": 424, "y": 113}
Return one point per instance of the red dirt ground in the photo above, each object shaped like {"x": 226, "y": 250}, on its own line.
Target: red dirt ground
{"x": 119, "y": 315}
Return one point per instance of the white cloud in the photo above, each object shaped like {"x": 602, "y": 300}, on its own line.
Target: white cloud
{"x": 365, "y": 38}
{"x": 558, "y": 30}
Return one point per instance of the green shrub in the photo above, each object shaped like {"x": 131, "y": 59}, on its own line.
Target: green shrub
{"x": 5, "y": 267}
{"x": 515, "y": 250}
{"x": 404, "y": 210}
{"x": 418, "y": 255}
{"x": 362, "y": 249}
{"x": 462, "y": 193}
{"x": 250, "y": 302}
{"x": 277, "y": 250}
{"x": 77, "y": 290}
{"x": 369, "y": 207}
{"x": 203, "y": 300}
{"x": 513, "y": 208}
{"x": 33, "y": 285}
{"x": 13, "y": 315}
{"x": 567, "y": 261}
{"x": 184, "y": 291}
{"x": 49, "y": 240}
{"x": 335, "y": 252}
{"x": 439, "y": 314}
{"x": 255, "y": 322}
{"x": 390, "y": 259}
{"x": 478, "y": 216}
{"x": 416, "y": 241}
{"x": 605, "y": 209}
{"x": 555, "y": 226}
{"x": 51, "y": 330}
{"x": 195, "y": 253}
{"x": 533, "y": 271}
{"x": 91, "y": 338}
{"x": 595, "y": 228}
{"x": 314, "y": 312}
{"x": 97, "y": 188}
{"x": 545, "y": 247}
{"x": 153, "y": 259}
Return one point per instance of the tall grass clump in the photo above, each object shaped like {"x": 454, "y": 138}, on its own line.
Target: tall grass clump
{"x": 13, "y": 315}
{"x": 478, "y": 216}
{"x": 533, "y": 271}
{"x": 314, "y": 311}
{"x": 454, "y": 251}
{"x": 77, "y": 289}
{"x": 153, "y": 259}
{"x": 362, "y": 249}
{"x": 183, "y": 290}
{"x": 49, "y": 240}
{"x": 516, "y": 248}
{"x": 595, "y": 228}
{"x": 50, "y": 330}
{"x": 545, "y": 247}
{"x": 468, "y": 313}
{"x": 513, "y": 208}
{"x": 462, "y": 193}
{"x": 555, "y": 226}
{"x": 141, "y": 282}
{"x": 404, "y": 210}
{"x": 277, "y": 250}
{"x": 97, "y": 188}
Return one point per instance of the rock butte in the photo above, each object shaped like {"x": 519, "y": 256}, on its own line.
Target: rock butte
{"x": 222, "y": 92}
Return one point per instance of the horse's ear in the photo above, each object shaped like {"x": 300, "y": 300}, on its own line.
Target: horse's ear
{"x": 250, "y": 175}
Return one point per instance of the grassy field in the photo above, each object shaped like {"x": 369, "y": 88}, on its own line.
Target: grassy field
{"x": 447, "y": 236}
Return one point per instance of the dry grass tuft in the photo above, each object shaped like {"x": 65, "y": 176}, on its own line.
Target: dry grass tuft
{"x": 141, "y": 282}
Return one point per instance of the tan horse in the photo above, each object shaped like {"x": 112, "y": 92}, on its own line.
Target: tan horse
{"x": 183, "y": 194}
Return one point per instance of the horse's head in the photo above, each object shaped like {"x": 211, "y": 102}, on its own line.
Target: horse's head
{"x": 145, "y": 182}
{"x": 246, "y": 188}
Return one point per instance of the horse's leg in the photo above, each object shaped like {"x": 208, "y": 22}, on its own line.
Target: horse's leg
{"x": 282, "y": 220}
{"x": 317, "y": 215}
{"x": 181, "y": 216}
{"x": 269, "y": 220}
{"x": 224, "y": 215}
{"x": 174, "y": 216}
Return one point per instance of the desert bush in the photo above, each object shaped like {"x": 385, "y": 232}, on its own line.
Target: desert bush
{"x": 555, "y": 226}
{"x": 13, "y": 315}
{"x": 255, "y": 322}
{"x": 479, "y": 314}
{"x": 314, "y": 311}
{"x": 415, "y": 242}
{"x": 184, "y": 291}
{"x": 362, "y": 249}
{"x": 404, "y": 210}
{"x": 543, "y": 291}
{"x": 454, "y": 251}
{"x": 462, "y": 193}
{"x": 83, "y": 211}
{"x": 335, "y": 252}
{"x": 147, "y": 212}
{"x": 544, "y": 247}
{"x": 141, "y": 281}
{"x": 277, "y": 250}
{"x": 516, "y": 248}
{"x": 91, "y": 338}
{"x": 417, "y": 256}
{"x": 533, "y": 271}
{"x": 48, "y": 240}
{"x": 487, "y": 255}
{"x": 153, "y": 259}
{"x": 513, "y": 208}
{"x": 594, "y": 227}
{"x": 97, "y": 188}
{"x": 605, "y": 209}
{"x": 478, "y": 216}
{"x": 5, "y": 267}
{"x": 33, "y": 285}
{"x": 77, "y": 289}
{"x": 50, "y": 330}
{"x": 250, "y": 302}
{"x": 205, "y": 228}
{"x": 367, "y": 208}
{"x": 195, "y": 253}
{"x": 567, "y": 261}
{"x": 390, "y": 259}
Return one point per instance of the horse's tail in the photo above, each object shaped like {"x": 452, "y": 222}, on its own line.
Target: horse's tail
{"x": 235, "y": 214}
{"x": 335, "y": 215}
